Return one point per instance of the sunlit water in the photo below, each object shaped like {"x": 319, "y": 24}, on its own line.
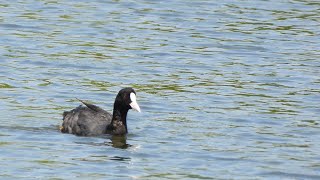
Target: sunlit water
{"x": 228, "y": 89}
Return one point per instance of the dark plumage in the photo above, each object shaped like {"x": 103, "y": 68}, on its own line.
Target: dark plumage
{"x": 91, "y": 120}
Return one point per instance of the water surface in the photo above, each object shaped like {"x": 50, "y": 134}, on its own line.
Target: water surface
{"x": 228, "y": 90}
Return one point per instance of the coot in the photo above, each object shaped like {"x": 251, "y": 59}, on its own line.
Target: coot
{"x": 91, "y": 120}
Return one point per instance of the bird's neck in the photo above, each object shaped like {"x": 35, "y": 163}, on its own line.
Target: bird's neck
{"x": 119, "y": 120}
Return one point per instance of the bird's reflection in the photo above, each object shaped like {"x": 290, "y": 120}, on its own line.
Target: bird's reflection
{"x": 119, "y": 142}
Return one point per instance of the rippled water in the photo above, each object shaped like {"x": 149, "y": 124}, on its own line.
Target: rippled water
{"x": 228, "y": 89}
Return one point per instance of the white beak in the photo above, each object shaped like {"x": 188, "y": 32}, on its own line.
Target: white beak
{"x": 134, "y": 105}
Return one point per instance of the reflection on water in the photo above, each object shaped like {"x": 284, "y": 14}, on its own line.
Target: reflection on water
{"x": 229, "y": 88}
{"x": 119, "y": 142}
{"x": 115, "y": 141}
{"x": 117, "y": 158}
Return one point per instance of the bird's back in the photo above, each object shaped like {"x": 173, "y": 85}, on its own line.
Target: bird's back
{"x": 86, "y": 121}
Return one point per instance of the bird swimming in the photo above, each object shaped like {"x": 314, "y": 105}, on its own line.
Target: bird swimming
{"x": 91, "y": 120}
